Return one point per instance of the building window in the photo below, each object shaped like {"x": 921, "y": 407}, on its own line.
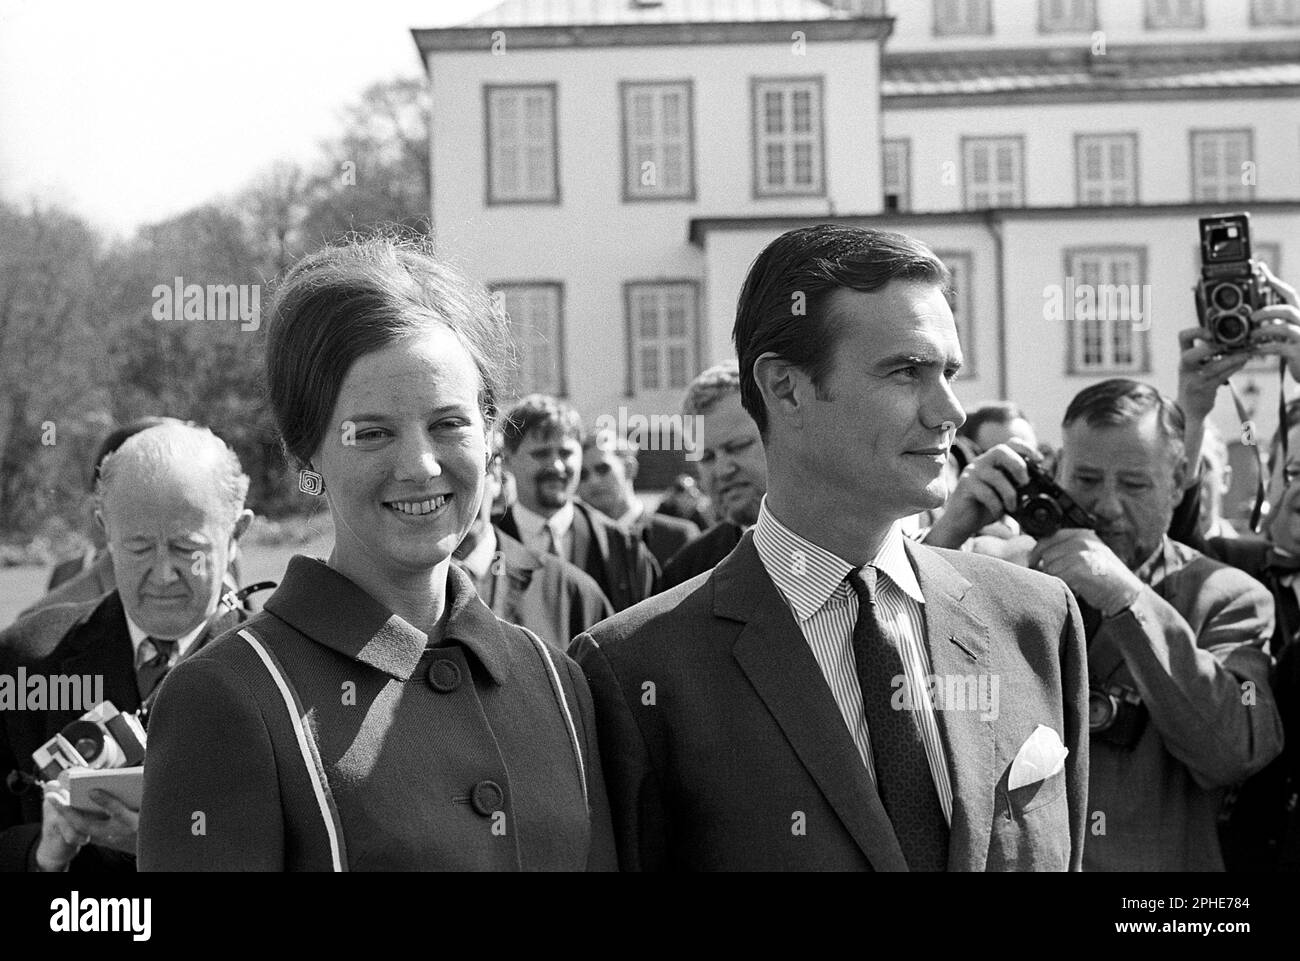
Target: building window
{"x": 897, "y": 175}
{"x": 1275, "y": 13}
{"x": 1175, "y": 14}
{"x": 523, "y": 160}
{"x": 536, "y": 313}
{"x": 1066, "y": 16}
{"x": 1220, "y": 168}
{"x": 958, "y": 18}
{"x": 658, "y": 156}
{"x": 663, "y": 335}
{"x": 959, "y": 263}
{"x": 1107, "y": 168}
{"x": 1106, "y": 305}
{"x": 993, "y": 172}
{"x": 788, "y": 148}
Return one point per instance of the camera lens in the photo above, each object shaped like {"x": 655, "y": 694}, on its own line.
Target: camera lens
{"x": 1226, "y": 297}
{"x": 1101, "y": 710}
{"x": 1040, "y": 516}
{"x": 1230, "y": 329}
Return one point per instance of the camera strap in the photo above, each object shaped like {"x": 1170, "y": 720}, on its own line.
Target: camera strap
{"x": 1261, "y": 508}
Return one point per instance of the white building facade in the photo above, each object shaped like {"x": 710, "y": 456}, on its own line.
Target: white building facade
{"x": 613, "y": 167}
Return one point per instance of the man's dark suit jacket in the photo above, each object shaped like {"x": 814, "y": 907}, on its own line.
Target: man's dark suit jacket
{"x": 623, "y": 567}
{"x": 664, "y": 535}
{"x": 724, "y": 749}
{"x": 67, "y": 639}
{"x": 81, "y": 639}
{"x": 701, "y": 555}
{"x": 1262, "y": 830}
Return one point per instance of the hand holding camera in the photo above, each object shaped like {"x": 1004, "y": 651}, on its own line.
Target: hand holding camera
{"x": 1089, "y": 568}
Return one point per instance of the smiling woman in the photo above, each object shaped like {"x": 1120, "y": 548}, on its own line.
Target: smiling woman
{"x": 376, "y": 715}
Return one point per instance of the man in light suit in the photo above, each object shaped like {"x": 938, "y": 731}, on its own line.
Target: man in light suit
{"x": 1177, "y": 643}
{"x": 831, "y": 696}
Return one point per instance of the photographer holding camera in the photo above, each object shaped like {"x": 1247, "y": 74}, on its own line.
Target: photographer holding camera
{"x": 1177, "y": 659}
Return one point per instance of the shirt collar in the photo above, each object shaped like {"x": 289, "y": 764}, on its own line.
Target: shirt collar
{"x": 633, "y": 513}
{"x": 479, "y": 560}
{"x": 531, "y": 523}
{"x": 322, "y": 604}
{"x": 1151, "y": 571}
{"x": 807, "y": 575}
{"x": 138, "y": 634}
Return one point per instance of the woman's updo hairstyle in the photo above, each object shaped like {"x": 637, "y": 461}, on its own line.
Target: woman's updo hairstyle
{"x": 348, "y": 300}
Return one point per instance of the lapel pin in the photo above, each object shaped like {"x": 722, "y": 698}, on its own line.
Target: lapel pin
{"x": 969, "y": 653}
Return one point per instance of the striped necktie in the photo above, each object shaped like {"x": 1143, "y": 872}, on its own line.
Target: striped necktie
{"x": 903, "y": 777}
{"x": 153, "y": 667}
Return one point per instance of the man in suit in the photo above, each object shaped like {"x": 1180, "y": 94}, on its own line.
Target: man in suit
{"x": 1177, "y": 643}
{"x": 551, "y": 597}
{"x": 609, "y": 468}
{"x": 831, "y": 696}
{"x": 171, "y": 503}
{"x": 542, "y": 445}
{"x": 733, "y": 470}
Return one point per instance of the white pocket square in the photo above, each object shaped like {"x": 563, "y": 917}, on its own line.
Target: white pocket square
{"x": 1038, "y": 758}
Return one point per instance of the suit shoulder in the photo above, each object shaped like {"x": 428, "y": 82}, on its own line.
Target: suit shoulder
{"x": 39, "y": 633}
{"x": 993, "y": 573}
{"x": 673, "y": 525}
{"x": 1217, "y": 578}
{"x": 661, "y": 615}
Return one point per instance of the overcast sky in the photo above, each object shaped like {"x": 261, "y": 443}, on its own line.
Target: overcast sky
{"x": 129, "y": 111}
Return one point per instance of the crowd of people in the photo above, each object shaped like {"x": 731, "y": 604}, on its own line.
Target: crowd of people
{"x": 840, "y": 650}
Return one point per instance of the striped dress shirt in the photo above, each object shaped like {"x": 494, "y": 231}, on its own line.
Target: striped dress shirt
{"x": 813, "y": 583}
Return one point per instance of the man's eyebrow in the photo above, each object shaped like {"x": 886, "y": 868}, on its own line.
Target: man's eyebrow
{"x": 918, "y": 360}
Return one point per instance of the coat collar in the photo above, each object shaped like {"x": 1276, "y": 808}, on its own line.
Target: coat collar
{"x": 322, "y": 604}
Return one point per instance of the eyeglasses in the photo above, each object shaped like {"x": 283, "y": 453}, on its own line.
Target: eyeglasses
{"x": 602, "y": 470}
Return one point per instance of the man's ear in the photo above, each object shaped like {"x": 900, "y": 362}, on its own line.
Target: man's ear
{"x": 99, "y": 522}
{"x": 780, "y": 382}
{"x": 241, "y": 524}
{"x": 1180, "y": 477}
{"x": 630, "y": 467}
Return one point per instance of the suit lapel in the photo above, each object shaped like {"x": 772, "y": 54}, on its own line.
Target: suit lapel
{"x": 958, "y": 644}
{"x": 776, "y": 659}
{"x": 102, "y": 645}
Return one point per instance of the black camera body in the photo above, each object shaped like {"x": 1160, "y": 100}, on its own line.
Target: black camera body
{"x": 1116, "y": 714}
{"x": 1231, "y": 287}
{"x": 1043, "y": 508}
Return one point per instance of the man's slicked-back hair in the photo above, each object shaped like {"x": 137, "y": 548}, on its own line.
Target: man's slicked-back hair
{"x": 542, "y": 413}
{"x": 344, "y": 301}
{"x": 989, "y": 412}
{"x": 1120, "y": 400}
{"x": 782, "y": 305}
{"x": 709, "y": 388}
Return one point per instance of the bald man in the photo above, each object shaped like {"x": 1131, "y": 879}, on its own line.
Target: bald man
{"x": 170, "y": 501}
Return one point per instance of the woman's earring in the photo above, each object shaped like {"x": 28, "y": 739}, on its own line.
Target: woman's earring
{"x": 310, "y": 482}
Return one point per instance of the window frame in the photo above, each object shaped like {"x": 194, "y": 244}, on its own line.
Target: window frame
{"x": 625, "y": 88}
{"x": 1019, "y": 139}
{"x": 560, "y": 334}
{"x": 1150, "y": 23}
{"x": 756, "y": 85}
{"x": 963, "y": 312}
{"x": 940, "y": 25}
{"x": 1192, "y": 136}
{"x": 1134, "y": 157}
{"x": 631, "y": 386}
{"x": 1142, "y": 339}
{"x": 905, "y": 200}
{"x": 489, "y": 197}
{"x": 1045, "y": 28}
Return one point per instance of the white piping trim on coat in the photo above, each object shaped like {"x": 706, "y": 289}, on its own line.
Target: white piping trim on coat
{"x": 301, "y": 733}
{"x": 564, "y": 706}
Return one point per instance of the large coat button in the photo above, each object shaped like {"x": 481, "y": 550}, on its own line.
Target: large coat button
{"x": 444, "y": 676}
{"x": 487, "y": 797}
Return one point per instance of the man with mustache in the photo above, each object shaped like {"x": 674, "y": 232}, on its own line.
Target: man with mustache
{"x": 1178, "y": 663}
{"x": 542, "y": 439}
{"x": 797, "y": 708}
{"x": 733, "y": 471}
